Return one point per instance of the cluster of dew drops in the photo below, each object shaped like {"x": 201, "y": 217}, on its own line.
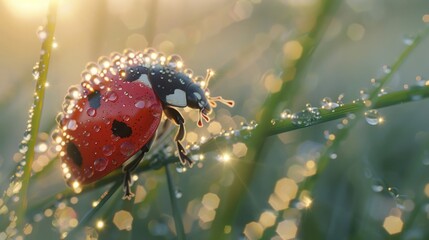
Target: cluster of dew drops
{"x": 42, "y": 147}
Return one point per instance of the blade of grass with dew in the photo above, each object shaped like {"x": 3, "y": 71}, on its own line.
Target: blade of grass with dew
{"x": 180, "y": 230}
{"x": 373, "y": 102}
{"x": 227, "y": 211}
{"x": 282, "y": 126}
{"x": 37, "y": 108}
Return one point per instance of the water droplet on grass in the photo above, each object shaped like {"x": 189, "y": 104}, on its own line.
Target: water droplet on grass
{"x": 393, "y": 191}
{"x": 178, "y": 194}
{"x": 285, "y": 114}
{"x": 377, "y": 186}
{"x": 41, "y": 33}
{"x": 23, "y": 147}
{"x": 306, "y": 117}
{"x": 372, "y": 117}
{"x": 36, "y": 72}
{"x": 327, "y": 103}
{"x": 408, "y": 40}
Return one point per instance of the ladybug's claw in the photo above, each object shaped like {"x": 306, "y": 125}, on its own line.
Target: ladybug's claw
{"x": 182, "y": 155}
{"x": 127, "y": 186}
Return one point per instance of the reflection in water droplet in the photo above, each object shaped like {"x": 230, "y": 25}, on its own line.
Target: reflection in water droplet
{"x": 285, "y": 114}
{"x": 72, "y": 125}
{"x": 97, "y": 128}
{"x": 88, "y": 172}
{"x": 377, "y": 186}
{"x": 111, "y": 96}
{"x": 127, "y": 148}
{"x": 91, "y": 112}
{"x": 175, "y": 61}
{"x": 387, "y": 69}
{"x": 408, "y": 40}
{"x": 372, "y": 117}
{"x": 139, "y": 104}
{"x": 36, "y": 71}
{"x": 108, "y": 150}
{"x": 178, "y": 194}
{"x": 23, "y": 147}
{"x": 100, "y": 164}
{"x": 327, "y": 103}
{"x": 364, "y": 94}
{"x": 42, "y": 34}
{"x": 180, "y": 168}
{"x": 393, "y": 191}
{"x": 306, "y": 117}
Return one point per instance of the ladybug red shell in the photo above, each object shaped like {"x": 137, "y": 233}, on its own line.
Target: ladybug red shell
{"x": 108, "y": 127}
{"x": 110, "y": 120}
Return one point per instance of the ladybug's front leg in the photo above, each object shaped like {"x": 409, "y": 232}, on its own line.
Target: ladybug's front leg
{"x": 175, "y": 116}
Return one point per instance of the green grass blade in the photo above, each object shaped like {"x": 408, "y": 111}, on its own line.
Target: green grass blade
{"x": 177, "y": 215}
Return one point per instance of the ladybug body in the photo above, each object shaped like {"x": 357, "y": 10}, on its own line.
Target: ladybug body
{"x": 110, "y": 120}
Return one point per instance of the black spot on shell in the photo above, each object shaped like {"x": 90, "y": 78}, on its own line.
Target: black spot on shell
{"x": 94, "y": 99}
{"x": 121, "y": 129}
{"x": 74, "y": 153}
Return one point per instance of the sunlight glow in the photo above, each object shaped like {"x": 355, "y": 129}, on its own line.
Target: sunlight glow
{"x": 27, "y": 8}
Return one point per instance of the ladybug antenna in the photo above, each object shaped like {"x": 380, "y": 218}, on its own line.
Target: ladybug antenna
{"x": 210, "y": 73}
{"x": 213, "y": 100}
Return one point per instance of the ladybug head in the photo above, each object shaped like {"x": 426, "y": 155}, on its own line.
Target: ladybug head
{"x": 198, "y": 97}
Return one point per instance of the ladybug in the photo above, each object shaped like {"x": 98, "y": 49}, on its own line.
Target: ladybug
{"x": 110, "y": 120}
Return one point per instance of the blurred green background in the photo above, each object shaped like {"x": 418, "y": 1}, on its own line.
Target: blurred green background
{"x": 379, "y": 171}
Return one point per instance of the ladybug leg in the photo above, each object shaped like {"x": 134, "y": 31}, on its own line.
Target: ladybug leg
{"x": 131, "y": 166}
{"x": 177, "y": 118}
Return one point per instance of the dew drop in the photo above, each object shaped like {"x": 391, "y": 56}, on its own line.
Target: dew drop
{"x": 36, "y": 71}
{"x": 306, "y": 117}
{"x": 23, "y": 148}
{"x": 364, "y": 94}
{"x": 100, "y": 164}
{"x": 127, "y": 148}
{"x": 386, "y": 69}
{"x": 107, "y": 150}
{"x": 42, "y": 34}
{"x": 111, "y": 96}
{"x": 139, "y": 104}
{"x": 88, "y": 172}
{"x": 408, "y": 40}
{"x": 93, "y": 68}
{"x": 104, "y": 62}
{"x": 54, "y": 44}
{"x": 375, "y": 82}
{"x": 393, "y": 191}
{"x": 178, "y": 194}
{"x": 327, "y": 103}
{"x": 377, "y": 186}
{"x": 91, "y": 112}
{"x": 180, "y": 168}
{"x": 372, "y": 117}
{"x": 96, "y": 128}
{"x": 27, "y": 135}
{"x": 188, "y": 72}
{"x": 72, "y": 125}
{"x": 175, "y": 61}
{"x": 285, "y": 114}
